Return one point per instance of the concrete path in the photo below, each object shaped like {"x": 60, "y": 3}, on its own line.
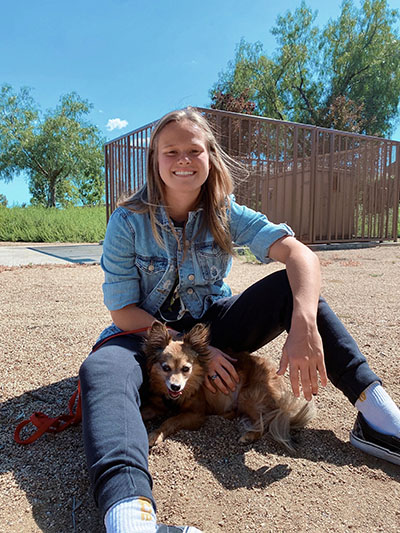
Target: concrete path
{"x": 44, "y": 254}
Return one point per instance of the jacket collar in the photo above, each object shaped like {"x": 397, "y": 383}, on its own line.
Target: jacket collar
{"x": 162, "y": 216}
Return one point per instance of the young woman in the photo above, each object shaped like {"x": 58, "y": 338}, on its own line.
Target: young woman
{"x": 165, "y": 256}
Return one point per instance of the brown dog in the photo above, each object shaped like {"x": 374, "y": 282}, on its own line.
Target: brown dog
{"x": 177, "y": 370}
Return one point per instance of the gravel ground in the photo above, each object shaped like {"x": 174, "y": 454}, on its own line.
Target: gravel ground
{"x": 50, "y": 316}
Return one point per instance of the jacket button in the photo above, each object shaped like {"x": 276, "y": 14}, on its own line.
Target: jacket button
{"x": 191, "y": 277}
{"x": 151, "y": 268}
{"x": 190, "y": 291}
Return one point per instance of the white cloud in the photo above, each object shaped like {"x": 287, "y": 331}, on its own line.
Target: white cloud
{"x": 116, "y": 124}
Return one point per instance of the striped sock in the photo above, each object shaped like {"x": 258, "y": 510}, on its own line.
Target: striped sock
{"x": 379, "y": 410}
{"x": 131, "y": 515}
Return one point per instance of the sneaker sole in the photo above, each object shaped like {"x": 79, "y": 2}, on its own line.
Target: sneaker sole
{"x": 374, "y": 449}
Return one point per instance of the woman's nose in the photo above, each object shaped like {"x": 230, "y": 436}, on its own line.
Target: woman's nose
{"x": 184, "y": 159}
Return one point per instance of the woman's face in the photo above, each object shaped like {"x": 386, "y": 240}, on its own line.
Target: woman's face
{"x": 183, "y": 160}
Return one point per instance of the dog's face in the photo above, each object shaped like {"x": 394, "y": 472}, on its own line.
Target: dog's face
{"x": 176, "y": 367}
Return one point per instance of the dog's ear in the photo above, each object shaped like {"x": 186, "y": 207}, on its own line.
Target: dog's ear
{"x": 197, "y": 339}
{"x": 158, "y": 338}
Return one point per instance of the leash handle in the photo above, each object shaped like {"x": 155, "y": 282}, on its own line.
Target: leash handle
{"x": 46, "y": 424}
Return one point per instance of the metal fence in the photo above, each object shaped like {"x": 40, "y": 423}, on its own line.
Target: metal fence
{"x": 328, "y": 185}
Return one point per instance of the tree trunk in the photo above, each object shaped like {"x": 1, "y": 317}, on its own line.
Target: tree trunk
{"x": 52, "y": 192}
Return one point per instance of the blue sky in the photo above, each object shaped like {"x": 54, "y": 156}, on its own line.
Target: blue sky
{"x": 134, "y": 60}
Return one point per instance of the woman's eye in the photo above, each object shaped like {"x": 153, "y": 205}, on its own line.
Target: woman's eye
{"x": 166, "y": 368}
{"x": 185, "y": 369}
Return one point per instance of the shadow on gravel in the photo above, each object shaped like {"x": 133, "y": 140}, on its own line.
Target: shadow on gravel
{"x": 56, "y": 484}
{"x": 57, "y": 487}
{"x": 227, "y": 460}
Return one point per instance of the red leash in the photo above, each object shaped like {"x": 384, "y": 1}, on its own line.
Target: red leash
{"x": 46, "y": 424}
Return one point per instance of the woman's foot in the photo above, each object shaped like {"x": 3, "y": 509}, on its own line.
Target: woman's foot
{"x": 136, "y": 515}
{"x": 370, "y": 441}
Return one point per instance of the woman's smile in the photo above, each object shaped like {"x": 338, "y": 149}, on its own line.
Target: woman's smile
{"x": 183, "y": 173}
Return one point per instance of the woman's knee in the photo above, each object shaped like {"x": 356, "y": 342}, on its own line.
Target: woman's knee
{"x": 111, "y": 364}
{"x": 271, "y": 297}
{"x": 274, "y": 287}
{"x": 99, "y": 362}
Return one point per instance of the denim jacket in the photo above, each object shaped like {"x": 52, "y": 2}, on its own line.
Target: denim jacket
{"x": 139, "y": 271}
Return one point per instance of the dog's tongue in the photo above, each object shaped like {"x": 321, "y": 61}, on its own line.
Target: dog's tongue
{"x": 174, "y": 395}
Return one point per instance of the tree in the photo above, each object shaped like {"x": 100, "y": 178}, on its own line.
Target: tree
{"x": 237, "y": 104}
{"x": 345, "y": 76}
{"x": 3, "y": 200}
{"x": 58, "y": 150}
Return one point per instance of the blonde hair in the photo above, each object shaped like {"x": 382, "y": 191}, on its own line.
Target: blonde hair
{"x": 215, "y": 193}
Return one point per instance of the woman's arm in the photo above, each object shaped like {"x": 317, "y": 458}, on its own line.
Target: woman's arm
{"x": 303, "y": 351}
{"x": 131, "y": 317}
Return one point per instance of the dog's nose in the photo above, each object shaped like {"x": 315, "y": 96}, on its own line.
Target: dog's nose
{"x": 175, "y": 388}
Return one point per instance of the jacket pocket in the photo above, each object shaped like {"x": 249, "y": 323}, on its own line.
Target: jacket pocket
{"x": 151, "y": 266}
{"x": 213, "y": 261}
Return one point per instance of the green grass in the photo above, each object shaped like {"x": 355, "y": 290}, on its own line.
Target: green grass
{"x": 398, "y": 225}
{"x": 73, "y": 224}
{"x": 247, "y": 256}
{"x": 40, "y": 224}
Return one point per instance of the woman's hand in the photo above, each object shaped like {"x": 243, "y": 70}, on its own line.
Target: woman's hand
{"x": 221, "y": 373}
{"x": 303, "y": 354}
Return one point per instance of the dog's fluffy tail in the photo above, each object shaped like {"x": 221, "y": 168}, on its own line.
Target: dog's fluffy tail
{"x": 291, "y": 414}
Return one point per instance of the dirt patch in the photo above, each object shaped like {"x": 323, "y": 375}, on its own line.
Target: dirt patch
{"x": 50, "y": 317}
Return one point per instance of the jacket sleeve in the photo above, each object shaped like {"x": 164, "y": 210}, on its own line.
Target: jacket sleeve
{"x": 121, "y": 285}
{"x": 253, "y": 229}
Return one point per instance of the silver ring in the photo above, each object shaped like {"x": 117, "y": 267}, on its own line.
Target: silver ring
{"x": 215, "y": 376}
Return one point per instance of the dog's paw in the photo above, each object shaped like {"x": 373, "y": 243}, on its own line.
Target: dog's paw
{"x": 250, "y": 436}
{"x": 155, "y": 437}
{"x": 148, "y": 412}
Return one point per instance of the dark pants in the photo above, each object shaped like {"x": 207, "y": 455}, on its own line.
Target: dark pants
{"x": 115, "y": 437}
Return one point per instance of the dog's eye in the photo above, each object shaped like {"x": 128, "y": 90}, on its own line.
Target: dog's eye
{"x": 185, "y": 369}
{"x": 166, "y": 367}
